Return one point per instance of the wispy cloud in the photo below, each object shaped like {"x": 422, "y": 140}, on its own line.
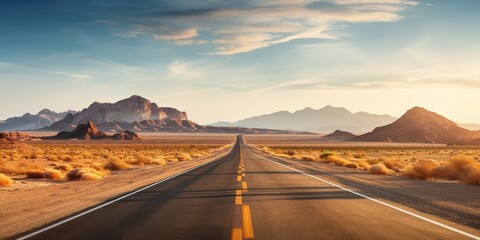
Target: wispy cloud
{"x": 6, "y": 65}
{"x": 77, "y": 78}
{"x": 238, "y": 27}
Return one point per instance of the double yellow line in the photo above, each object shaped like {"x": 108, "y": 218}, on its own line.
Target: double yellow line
{"x": 246, "y": 232}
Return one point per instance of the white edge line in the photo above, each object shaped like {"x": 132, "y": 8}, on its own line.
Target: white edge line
{"x": 375, "y": 200}
{"x": 118, "y": 199}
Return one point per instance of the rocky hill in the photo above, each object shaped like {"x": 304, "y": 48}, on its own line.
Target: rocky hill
{"x": 419, "y": 125}
{"x": 340, "y": 135}
{"x": 133, "y": 114}
{"x": 29, "y": 121}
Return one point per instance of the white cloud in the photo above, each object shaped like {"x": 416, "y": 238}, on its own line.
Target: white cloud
{"x": 77, "y": 78}
{"x": 238, "y": 28}
{"x": 6, "y": 65}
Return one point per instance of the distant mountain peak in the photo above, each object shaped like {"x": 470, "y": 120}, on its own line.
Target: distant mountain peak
{"x": 418, "y": 125}
{"x": 45, "y": 111}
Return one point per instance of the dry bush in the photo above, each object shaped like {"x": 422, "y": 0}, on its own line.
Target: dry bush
{"x": 88, "y": 176}
{"x": 325, "y": 155}
{"x": 352, "y": 165}
{"x": 9, "y": 168}
{"x": 364, "y": 165}
{"x": 64, "y": 167}
{"x": 337, "y": 160}
{"x": 394, "y": 163}
{"x": 5, "y": 181}
{"x": 379, "y": 168}
{"x": 183, "y": 156}
{"x": 143, "y": 160}
{"x": 422, "y": 169}
{"x": 290, "y": 152}
{"x": 308, "y": 158}
{"x": 53, "y": 174}
{"x": 78, "y": 174}
{"x": 117, "y": 165}
{"x": 462, "y": 168}
{"x": 34, "y": 174}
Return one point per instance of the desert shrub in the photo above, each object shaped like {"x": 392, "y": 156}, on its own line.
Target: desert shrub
{"x": 308, "y": 158}
{"x": 325, "y": 155}
{"x": 473, "y": 175}
{"x": 5, "y": 181}
{"x": 422, "y": 169}
{"x": 183, "y": 156}
{"x": 379, "y": 168}
{"x": 159, "y": 161}
{"x": 462, "y": 168}
{"x": 364, "y": 165}
{"x": 9, "y": 168}
{"x": 88, "y": 176}
{"x": 53, "y": 174}
{"x": 34, "y": 174}
{"x": 63, "y": 167}
{"x": 337, "y": 160}
{"x": 290, "y": 152}
{"x": 143, "y": 160}
{"x": 352, "y": 165}
{"x": 117, "y": 165}
{"x": 394, "y": 163}
{"x": 91, "y": 174}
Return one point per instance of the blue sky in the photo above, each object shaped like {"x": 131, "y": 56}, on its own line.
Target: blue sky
{"x": 227, "y": 60}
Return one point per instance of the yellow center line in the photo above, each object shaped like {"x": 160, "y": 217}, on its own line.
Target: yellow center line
{"x": 239, "y": 178}
{"x": 239, "y": 171}
{"x": 238, "y": 197}
{"x": 243, "y": 174}
{"x": 244, "y": 186}
{"x": 236, "y": 234}
{"x": 247, "y": 222}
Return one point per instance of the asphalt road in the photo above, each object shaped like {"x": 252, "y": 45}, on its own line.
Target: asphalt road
{"x": 246, "y": 196}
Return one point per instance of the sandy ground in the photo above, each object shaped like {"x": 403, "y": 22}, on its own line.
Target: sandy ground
{"x": 26, "y": 208}
{"x": 317, "y": 140}
{"x": 453, "y": 201}
{"x": 149, "y": 138}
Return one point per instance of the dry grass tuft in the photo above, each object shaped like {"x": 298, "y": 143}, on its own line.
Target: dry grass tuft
{"x": 5, "y": 181}
{"x": 34, "y": 174}
{"x": 183, "y": 156}
{"x": 88, "y": 176}
{"x": 422, "y": 169}
{"x": 379, "y": 168}
{"x": 53, "y": 174}
{"x": 337, "y": 160}
{"x": 64, "y": 167}
{"x": 352, "y": 165}
{"x": 308, "y": 158}
{"x": 117, "y": 165}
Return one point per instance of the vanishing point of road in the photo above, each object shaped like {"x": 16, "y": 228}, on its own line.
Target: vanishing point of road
{"x": 245, "y": 196}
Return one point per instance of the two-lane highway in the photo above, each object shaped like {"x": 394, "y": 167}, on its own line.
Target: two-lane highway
{"x": 219, "y": 201}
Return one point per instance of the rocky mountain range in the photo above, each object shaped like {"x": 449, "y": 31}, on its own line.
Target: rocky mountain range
{"x": 137, "y": 114}
{"x": 419, "y": 125}
{"x": 29, "y": 121}
{"x": 326, "y": 119}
